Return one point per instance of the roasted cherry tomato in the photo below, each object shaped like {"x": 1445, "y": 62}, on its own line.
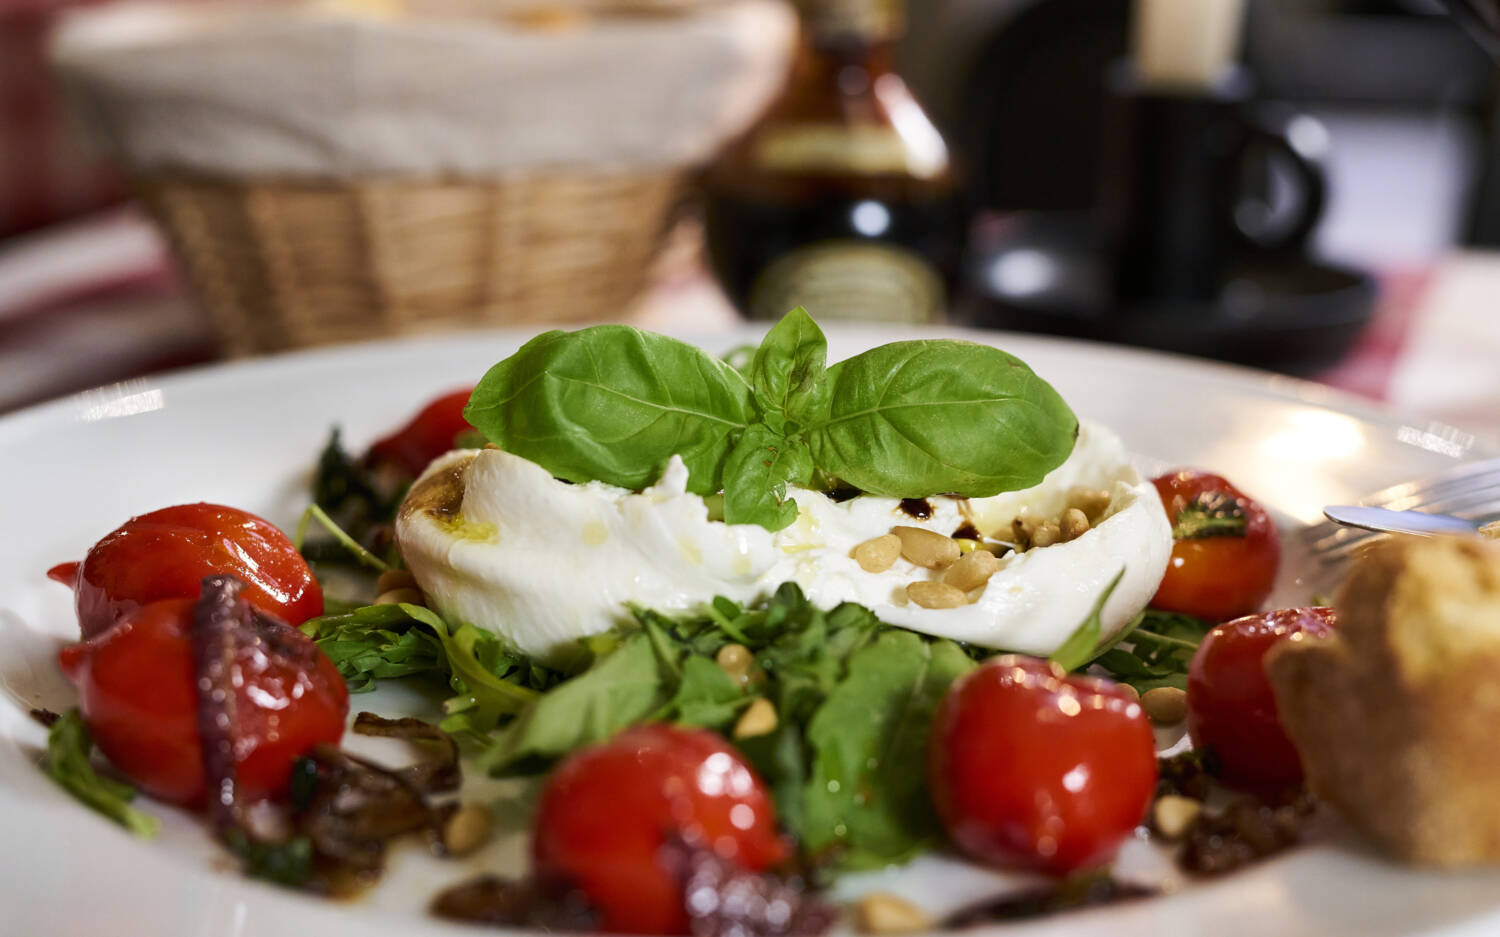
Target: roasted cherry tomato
{"x": 432, "y": 432}
{"x": 1226, "y": 551}
{"x": 136, "y": 689}
{"x": 166, "y": 554}
{"x": 607, "y": 811}
{"x": 1032, "y": 768}
{"x": 1231, "y": 709}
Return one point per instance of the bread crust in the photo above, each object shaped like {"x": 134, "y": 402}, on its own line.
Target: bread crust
{"x": 1397, "y": 716}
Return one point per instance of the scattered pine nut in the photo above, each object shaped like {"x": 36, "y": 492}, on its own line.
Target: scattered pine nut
{"x": 1130, "y": 691}
{"x": 1166, "y": 705}
{"x": 884, "y": 913}
{"x": 878, "y": 553}
{"x": 395, "y": 579}
{"x": 1091, "y": 501}
{"x": 1172, "y": 815}
{"x": 1073, "y": 524}
{"x": 759, "y": 718}
{"x": 1021, "y": 530}
{"x": 936, "y": 595}
{"x": 405, "y": 595}
{"x": 1046, "y": 534}
{"x": 972, "y": 570}
{"x": 925, "y": 548}
{"x": 735, "y": 660}
{"x": 1491, "y": 530}
{"x": 467, "y": 829}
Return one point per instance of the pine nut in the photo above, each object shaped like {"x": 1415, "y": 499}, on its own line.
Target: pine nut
{"x": 407, "y": 595}
{"x": 1046, "y": 534}
{"x": 1172, "y": 816}
{"x": 1091, "y": 501}
{"x": 1130, "y": 691}
{"x": 1073, "y": 524}
{"x": 925, "y": 548}
{"x": 395, "y": 579}
{"x": 1021, "y": 530}
{"x": 759, "y": 718}
{"x": 972, "y": 570}
{"x": 1166, "y": 705}
{"x": 734, "y": 659}
{"x": 1491, "y": 530}
{"x": 467, "y": 829}
{"x": 936, "y": 595}
{"x": 878, "y": 553}
{"x": 884, "y": 913}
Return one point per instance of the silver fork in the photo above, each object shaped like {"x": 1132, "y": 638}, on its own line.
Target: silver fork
{"x": 1470, "y": 491}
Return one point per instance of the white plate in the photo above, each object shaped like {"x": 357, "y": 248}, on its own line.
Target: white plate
{"x": 247, "y": 434}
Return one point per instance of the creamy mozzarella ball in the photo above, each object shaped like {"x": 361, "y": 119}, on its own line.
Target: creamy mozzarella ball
{"x": 496, "y": 541}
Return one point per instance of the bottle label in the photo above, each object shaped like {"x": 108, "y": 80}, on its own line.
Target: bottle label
{"x": 868, "y": 150}
{"x": 848, "y": 279}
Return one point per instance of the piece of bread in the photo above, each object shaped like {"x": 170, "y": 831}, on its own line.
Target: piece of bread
{"x": 1396, "y": 717}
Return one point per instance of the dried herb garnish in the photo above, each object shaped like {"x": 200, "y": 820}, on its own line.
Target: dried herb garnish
{"x": 1210, "y": 514}
{"x": 439, "y": 775}
{"x": 518, "y": 903}
{"x": 1247, "y": 831}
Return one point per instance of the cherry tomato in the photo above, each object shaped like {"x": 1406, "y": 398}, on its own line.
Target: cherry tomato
{"x": 432, "y": 432}
{"x": 136, "y": 688}
{"x": 1032, "y": 768}
{"x": 606, "y": 812}
{"x": 1231, "y": 708}
{"x": 1215, "y": 575}
{"x": 165, "y": 554}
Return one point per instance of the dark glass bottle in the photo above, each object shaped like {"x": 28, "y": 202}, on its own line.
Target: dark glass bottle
{"x": 841, "y": 198}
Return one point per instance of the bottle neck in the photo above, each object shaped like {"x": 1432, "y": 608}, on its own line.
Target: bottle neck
{"x": 842, "y": 26}
{"x": 846, "y": 61}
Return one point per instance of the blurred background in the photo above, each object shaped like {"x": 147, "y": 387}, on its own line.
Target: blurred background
{"x": 1307, "y": 186}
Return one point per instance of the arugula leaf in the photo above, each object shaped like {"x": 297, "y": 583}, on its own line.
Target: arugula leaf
{"x": 706, "y": 697}
{"x": 1082, "y": 645}
{"x": 911, "y": 419}
{"x": 788, "y": 373}
{"x": 67, "y": 763}
{"x": 624, "y": 687}
{"x": 759, "y": 468}
{"x": 379, "y": 641}
{"x": 612, "y": 403}
{"x": 1156, "y": 651}
{"x": 866, "y": 794}
{"x": 286, "y": 863}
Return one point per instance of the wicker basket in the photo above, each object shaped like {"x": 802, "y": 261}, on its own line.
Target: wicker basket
{"x": 283, "y": 264}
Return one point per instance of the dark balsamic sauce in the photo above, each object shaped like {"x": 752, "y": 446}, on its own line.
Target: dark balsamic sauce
{"x": 840, "y": 495}
{"x": 967, "y": 532}
{"x": 919, "y": 508}
{"x": 1070, "y": 895}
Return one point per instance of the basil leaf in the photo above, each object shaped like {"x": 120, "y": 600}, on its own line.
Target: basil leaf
{"x": 1083, "y": 644}
{"x": 612, "y": 403}
{"x": 67, "y": 763}
{"x": 789, "y": 373}
{"x": 756, "y": 475}
{"x": 866, "y": 795}
{"x": 911, "y": 419}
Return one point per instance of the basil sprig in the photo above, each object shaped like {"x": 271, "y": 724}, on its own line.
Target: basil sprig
{"x": 909, "y": 419}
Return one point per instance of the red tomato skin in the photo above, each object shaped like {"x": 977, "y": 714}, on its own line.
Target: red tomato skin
{"x": 136, "y": 692}
{"x": 1221, "y": 577}
{"x": 165, "y": 554}
{"x": 1231, "y": 708}
{"x": 430, "y": 433}
{"x": 1030, "y": 768}
{"x": 607, "y": 811}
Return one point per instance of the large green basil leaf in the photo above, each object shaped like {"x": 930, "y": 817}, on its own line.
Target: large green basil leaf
{"x": 911, "y": 419}
{"x": 756, "y": 476}
{"x": 789, "y": 373}
{"x": 612, "y": 403}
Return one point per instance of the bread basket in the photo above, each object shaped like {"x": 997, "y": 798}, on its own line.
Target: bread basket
{"x": 326, "y": 176}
